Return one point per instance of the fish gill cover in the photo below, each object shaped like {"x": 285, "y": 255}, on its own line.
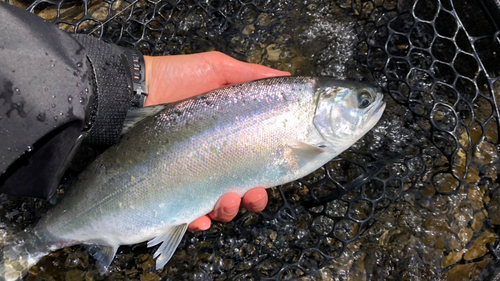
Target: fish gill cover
{"x": 417, "y": 198}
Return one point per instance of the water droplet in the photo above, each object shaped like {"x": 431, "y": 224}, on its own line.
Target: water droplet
{"x": 53, "y": 96}
{"x": 52, "y": 65}
{"x": 83, "y": 100}
{"x": 78, "y": 84}
{"x": 55, "y": 118}
{"x": 17, "y": 90}
{"x": 61, "y": 113}
{"x": 30, "y": 148}
{"x": 70, "y": 99}
{"x": 86, "y": 90}
{"x": 53, "y": 105}
{"x": 41, "y": 117}
{"x": 46, "y": 89}
{"x": 79, "y": 64}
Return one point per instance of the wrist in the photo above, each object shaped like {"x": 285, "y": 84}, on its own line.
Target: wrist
{"x": 148, "y": 66}
{"x": 136, "y": 70}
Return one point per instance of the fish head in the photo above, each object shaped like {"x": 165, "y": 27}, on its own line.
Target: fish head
{"x": 345, "y": 111}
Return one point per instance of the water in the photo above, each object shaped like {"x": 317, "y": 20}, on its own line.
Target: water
{"x": 427, "y": 223}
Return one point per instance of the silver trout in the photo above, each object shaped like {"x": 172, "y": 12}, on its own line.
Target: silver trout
{"x": 172, "y": 167}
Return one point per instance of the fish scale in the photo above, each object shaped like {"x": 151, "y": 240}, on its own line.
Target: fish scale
{"x": 173, "y": 166}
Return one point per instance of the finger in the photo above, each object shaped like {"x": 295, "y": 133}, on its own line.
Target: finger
{"x": 232, "y": 71}
{"x": 255, "y": 200}
{"x": 200, "y": 224}
{"x": 226, "y": 208}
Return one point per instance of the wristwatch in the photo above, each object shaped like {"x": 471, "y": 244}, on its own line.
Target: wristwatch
{"x": 137, "y": 74}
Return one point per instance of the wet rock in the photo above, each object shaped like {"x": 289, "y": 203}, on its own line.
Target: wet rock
{"x": 145, "y": 262}
{"x": 494, "y": 208}
{"x": 452, "y": 258}
{"x": 479, "y": 248}
{"x": 486, "y": 153}
{"x": 75, "y": 275}
{"x": 466, "y": 272}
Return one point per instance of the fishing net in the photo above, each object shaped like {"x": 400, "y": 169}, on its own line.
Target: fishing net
{"x": 418, "y": 198}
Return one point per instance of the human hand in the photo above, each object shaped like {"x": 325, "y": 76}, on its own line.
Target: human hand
{"x": 173, "y": 78}
{"x": 255, "y": 200}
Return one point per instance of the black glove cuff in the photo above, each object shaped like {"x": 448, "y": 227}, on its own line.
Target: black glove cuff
{"x": 113, "y": 93}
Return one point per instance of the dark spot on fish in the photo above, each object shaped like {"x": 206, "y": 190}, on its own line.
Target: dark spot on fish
{"x": 202, "y": 97}
{"x": 284, "y": 97}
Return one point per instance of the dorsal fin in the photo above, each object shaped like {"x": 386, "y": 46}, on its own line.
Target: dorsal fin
{"x": 135, "y": 116}
{"x": 104, "y": 256}
{"x": 170, "y": 239}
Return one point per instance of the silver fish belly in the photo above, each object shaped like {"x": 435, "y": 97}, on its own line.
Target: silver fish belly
{"x": 173, "y": 167}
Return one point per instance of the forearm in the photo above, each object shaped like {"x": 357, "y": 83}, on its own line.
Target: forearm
{"x": 54, "y": 92}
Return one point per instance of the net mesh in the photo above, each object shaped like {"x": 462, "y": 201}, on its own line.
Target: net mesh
{"x": 418, "y": 198}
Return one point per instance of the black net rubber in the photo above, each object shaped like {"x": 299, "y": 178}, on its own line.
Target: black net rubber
{"x": 417, "y": 199}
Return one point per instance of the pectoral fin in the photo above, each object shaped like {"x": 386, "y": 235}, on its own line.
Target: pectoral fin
{"x": 304, "y": 150}
{"x": 170, "y": 240}
{"x": 104, "y": 256}
{"x": 135, "y": 116}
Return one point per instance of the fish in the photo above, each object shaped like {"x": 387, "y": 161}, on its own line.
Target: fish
{"x": 172, "y": 166}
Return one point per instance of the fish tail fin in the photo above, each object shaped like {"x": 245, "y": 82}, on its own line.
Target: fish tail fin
{"x": 18, "y": 253}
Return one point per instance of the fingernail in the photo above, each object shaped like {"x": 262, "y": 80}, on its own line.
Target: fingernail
{"x": 282, "y": 73}
{"x": 230, "y": 211}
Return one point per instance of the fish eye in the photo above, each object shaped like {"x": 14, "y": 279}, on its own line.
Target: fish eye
{"x": 364, "y": 99}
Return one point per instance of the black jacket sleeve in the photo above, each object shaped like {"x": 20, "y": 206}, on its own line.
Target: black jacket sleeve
{"x": 56, "y": 91}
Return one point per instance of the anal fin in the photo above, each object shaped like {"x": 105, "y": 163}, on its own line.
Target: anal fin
{"x": 170, "y": 239}
{"x": 104, "y": 256}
